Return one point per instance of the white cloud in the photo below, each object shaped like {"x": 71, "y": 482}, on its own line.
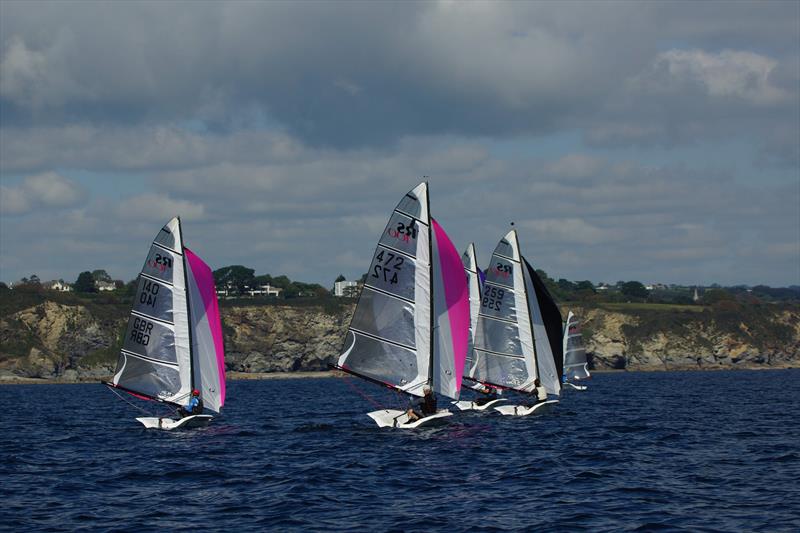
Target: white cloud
{"x": 158, "y": 207}
{"x": 49, "y": 190}
{"x": 729, "y": 73}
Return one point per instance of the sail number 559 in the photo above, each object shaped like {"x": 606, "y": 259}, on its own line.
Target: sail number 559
{"x": 492, "y": 298}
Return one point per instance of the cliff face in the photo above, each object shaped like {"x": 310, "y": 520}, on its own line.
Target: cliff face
{"x": 52, "y": 340}
{"x": 656, "y": 340}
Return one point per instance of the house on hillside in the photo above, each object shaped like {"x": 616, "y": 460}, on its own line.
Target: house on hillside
{"x": 349, "y": 289}
{"x": 57, "y": 285}
{"x": 103, "y": 286}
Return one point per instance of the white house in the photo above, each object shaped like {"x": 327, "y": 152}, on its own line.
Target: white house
{"x": 345, "y": 288}
{"x": 264, "y": 290}
{"x": 104, "y": 286}
{"x": 58, "y": 285}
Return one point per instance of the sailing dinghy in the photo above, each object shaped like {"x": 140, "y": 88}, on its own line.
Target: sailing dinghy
{"x": 576, "y": 368}
{"x": 518, "y": 334}
{"x": 173, "y": 343}
{"x": 410, "y": 327}
{"x": 474, "y": 282}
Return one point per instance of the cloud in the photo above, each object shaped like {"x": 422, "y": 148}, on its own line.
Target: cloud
{"x": 730, "y": 73}
{"x": 48, "y": 190}
{"x": 436, "y": 68}
{"x": 158, "y": 207}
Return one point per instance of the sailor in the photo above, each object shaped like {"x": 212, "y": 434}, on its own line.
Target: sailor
{"x": 540, "y": 391}
{"x": 488, "y": 394}
{"x": 194, "y": 407}
{"x": 422, "y": 407}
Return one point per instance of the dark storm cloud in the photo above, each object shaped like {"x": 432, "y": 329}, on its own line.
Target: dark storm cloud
{"x": 356, "y": 73}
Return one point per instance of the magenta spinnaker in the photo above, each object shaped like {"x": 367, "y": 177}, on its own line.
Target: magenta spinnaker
{"x": 456, "y": 296}
{"x": 204, "y": 284}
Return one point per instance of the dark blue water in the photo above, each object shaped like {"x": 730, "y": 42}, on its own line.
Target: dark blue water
{"x": 708, "y": 451}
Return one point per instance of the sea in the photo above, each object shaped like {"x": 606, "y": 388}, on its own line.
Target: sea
{"x": 659, "y": 451}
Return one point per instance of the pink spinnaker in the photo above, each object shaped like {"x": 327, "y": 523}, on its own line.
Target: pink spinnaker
{"x": 209, "y": 318}
{"x": 456, "y": 295}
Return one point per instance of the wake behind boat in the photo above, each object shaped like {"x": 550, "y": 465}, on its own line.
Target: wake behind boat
{"x": 410, "y": 327}
{"x": 173, "y": 344}
{"x": 518, "y": 333}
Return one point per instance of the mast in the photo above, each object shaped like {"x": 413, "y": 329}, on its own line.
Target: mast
{"x": 188, "y": 309}
{"x": 430, "y": 285}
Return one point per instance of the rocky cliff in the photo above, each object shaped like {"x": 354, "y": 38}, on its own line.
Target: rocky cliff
{"x": 55, "y": 340}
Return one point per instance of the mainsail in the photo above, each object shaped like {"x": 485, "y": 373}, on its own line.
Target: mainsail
{"x": 513, "y": 346}
{"x": 474, "y": 284}
{"x": 173, "y": 330}
{"x": 575, "y": 364}
{"x": 410, "y": 326}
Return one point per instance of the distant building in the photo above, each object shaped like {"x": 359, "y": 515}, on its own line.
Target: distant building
{"x": 345, "y": 288}
{"x": 105, "y": 286}
{"x": 57, "y": 285}
{"x": 263, "y": 290}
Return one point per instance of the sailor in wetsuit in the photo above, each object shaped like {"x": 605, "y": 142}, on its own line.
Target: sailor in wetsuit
{"x": 487, "y": 395}
{"x": 194, "y": 407}
{"x": 422, "y": 407}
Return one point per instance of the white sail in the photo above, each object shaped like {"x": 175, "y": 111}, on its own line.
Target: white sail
{"x": 173, "y": 343}
{"x": 410, "y": 326}
{"x": 389, "y": 335}
{"x": 474, "y": 284}
{"x": 155, "y": 357}
{"x": 575, "y": 364}
{"x": 504, "y": 352}
{"x": 546, "y": 352}
{"x": 518, "y": 333}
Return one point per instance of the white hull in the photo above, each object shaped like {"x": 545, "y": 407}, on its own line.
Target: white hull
{"x": 576, "y": 387}
{"x": 194, "y": 421}
{"x": 524, "y": 410}
{"x": 472, "y": 406}
{"x": 394, "y": 418}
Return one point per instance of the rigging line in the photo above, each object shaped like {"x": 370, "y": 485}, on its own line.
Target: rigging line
{"x": 362, "y": 394}
{"x": 142, "y": 409}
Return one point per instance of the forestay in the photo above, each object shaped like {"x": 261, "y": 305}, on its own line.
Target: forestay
{"x": 575, "y": 364}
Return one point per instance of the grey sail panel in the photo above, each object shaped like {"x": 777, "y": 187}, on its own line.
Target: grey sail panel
{"x": 155, "y": 359}
{"x": 546, "y": 324}
{"x": 389, "y": 338}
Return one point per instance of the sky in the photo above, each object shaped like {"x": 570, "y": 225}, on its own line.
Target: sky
{"x": 648, "y": 141}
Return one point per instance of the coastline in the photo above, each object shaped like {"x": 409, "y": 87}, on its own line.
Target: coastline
{"x": 8, "y": 379}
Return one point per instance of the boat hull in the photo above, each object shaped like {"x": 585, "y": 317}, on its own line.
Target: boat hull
{"x": 168, "y": 424}
{"x": 394, "y": 418}
{"x": 524, "y": 410}
{"x": 575, "y": 387}
{"x": 465, "y": 405}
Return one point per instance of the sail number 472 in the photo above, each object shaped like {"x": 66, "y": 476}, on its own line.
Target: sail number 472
{"x": 388, "y": 267}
